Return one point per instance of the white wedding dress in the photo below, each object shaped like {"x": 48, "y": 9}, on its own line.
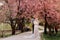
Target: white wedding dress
{"x": 36, "y": 30}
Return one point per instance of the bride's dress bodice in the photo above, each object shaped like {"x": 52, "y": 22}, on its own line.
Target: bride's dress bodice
{"x": 36, "y": 23}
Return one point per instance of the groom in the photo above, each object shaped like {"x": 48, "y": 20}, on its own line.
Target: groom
{"x": 32, "y": 21}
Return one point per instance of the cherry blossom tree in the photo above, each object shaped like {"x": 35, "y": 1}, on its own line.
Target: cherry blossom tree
{"x": 12, "y": 11}
{"x": 47, "y": 10}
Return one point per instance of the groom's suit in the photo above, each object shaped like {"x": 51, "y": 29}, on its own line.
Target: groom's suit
{"x": 32, "y": 25}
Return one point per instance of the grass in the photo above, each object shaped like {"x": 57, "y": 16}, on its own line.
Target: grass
{"x": 29, "y": 25}
{"x": 5, "y": 34}
{"x": 5, "y": 26}
{"x": 53, "y": 37}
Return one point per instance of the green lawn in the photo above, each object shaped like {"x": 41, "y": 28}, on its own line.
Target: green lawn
{"x": 54, "y": 37}
{"x": 29, "y": 25}
{"x": 5, "y": 26}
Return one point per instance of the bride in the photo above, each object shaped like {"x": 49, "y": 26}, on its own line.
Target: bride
{"x": 36, "y": 31}
{"x": 36, "y": 26}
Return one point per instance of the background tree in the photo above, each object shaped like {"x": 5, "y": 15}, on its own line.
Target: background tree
{"x": 12, "y": 7}
{"x": 47, "y": 10}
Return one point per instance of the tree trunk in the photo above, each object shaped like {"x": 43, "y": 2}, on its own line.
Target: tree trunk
{"x": 45, "y": 27}
{"x": 56, "y": 30}
{"x": 13, "y": 30}
{"x": 12, "y": 26}
{"x": 49, "y": 30}
{"x": 22, "y": 27}
{"x": 22, "y": 23}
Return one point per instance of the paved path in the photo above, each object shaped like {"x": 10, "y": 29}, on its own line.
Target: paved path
{"x": 22, "y": 36}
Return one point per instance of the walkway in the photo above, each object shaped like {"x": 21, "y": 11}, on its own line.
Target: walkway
{"x": 21, "y": 36}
